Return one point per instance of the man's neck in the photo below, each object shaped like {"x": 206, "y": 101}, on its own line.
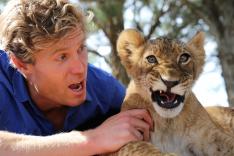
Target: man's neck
{"x": 55, "y": 113}
{"x": 56, "y": 116}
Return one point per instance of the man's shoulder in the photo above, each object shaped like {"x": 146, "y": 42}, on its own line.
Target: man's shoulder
{"x": 95, "y": 71}
{"x": 5, "y": 66}
{"x": 6, "y": 70}
{"x": 6, "y": 95}
{"x": 99, "y": 78}
{"x": 3, "y": 59}
{"x": 96, "y": 74}
{"x": 103, "y": 83}
{"x": 8, "y": 77}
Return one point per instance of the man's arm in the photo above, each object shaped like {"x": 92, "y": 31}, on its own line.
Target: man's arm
{"x": 116, "y": 131}
{"x": 72, "y": 143}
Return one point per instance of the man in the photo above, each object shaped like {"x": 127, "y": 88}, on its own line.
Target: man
{"x": 52, "y": 102}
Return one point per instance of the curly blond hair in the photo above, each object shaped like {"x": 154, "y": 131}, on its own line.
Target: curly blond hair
{"x": 27, "y": 25}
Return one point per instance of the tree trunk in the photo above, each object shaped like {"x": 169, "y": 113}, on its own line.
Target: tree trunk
{"x": 218, "y": 15}
{"x": 112, "y": 24}
{"x": 117, "y": 68}
{"x": 226, "y": 55}
{"x": 225, "y": 40}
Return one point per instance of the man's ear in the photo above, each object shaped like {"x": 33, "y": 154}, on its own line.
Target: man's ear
{"x": 23, "y": 67}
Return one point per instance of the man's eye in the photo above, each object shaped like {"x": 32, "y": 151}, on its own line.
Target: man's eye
{"x": 62, "y": 57}
{"x": 82, "y": 48}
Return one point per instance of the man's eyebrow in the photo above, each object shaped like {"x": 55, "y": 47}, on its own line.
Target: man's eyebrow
{"x": 59, "y": 50}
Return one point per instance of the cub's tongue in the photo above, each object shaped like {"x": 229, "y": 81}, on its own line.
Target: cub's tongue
{"x": 167, "y": 96}
{"x": 166, "y": 99}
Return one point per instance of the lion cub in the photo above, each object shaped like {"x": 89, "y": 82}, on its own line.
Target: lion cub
{"x": 163, "y": 72}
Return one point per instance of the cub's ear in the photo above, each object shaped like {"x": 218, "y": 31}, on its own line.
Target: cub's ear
{"x": 197, "y": 41}
{"x": 130, "y": 45}
{"x": 196, "y": 46}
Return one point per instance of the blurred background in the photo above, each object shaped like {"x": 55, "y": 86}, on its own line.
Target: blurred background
{"x": 179, "y": 19}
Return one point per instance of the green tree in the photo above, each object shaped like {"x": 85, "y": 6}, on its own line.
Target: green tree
{"x": 3, "y": 1}
{"x": 110, "y": 17}
{"x": 218, "y": 15}
{"x": 180, "y": 19}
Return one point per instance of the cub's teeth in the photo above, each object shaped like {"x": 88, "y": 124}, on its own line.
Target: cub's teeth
{"x": 175, "y": 101}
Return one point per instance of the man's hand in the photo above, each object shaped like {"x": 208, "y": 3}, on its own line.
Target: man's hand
{"x": 131, "y": 125}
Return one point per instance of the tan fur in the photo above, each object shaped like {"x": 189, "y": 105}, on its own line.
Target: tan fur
{"x": 186, "y": 129}
{"x": 223, "y": 116}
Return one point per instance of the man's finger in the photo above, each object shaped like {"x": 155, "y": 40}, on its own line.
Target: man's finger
{"x": 141, "y": 114}
{"x": 142, "y": 127}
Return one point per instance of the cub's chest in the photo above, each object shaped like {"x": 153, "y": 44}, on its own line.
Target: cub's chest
{"x": 168, "y": 142}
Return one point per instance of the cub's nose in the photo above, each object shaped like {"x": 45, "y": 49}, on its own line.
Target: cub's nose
{"x": 169, "y": 84}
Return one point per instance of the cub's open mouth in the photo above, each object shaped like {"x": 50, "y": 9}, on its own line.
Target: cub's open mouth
{"x": 166, "y": 99}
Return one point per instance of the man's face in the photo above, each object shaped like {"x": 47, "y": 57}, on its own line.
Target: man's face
{"x": 58, "y": 77}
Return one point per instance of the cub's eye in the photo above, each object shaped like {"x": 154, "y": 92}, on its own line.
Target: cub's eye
{"x": 151, "y": 59}
{"x": 184, "y": 58}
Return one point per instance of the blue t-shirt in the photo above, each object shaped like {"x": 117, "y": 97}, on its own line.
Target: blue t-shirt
{"x": 19, "y": 114}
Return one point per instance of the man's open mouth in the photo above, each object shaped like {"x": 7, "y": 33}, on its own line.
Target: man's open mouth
{"x": 76, "y": 87}
{"x": 166, "y": 99}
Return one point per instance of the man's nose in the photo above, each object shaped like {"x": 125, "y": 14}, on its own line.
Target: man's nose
{"x": 78, "y": 65}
